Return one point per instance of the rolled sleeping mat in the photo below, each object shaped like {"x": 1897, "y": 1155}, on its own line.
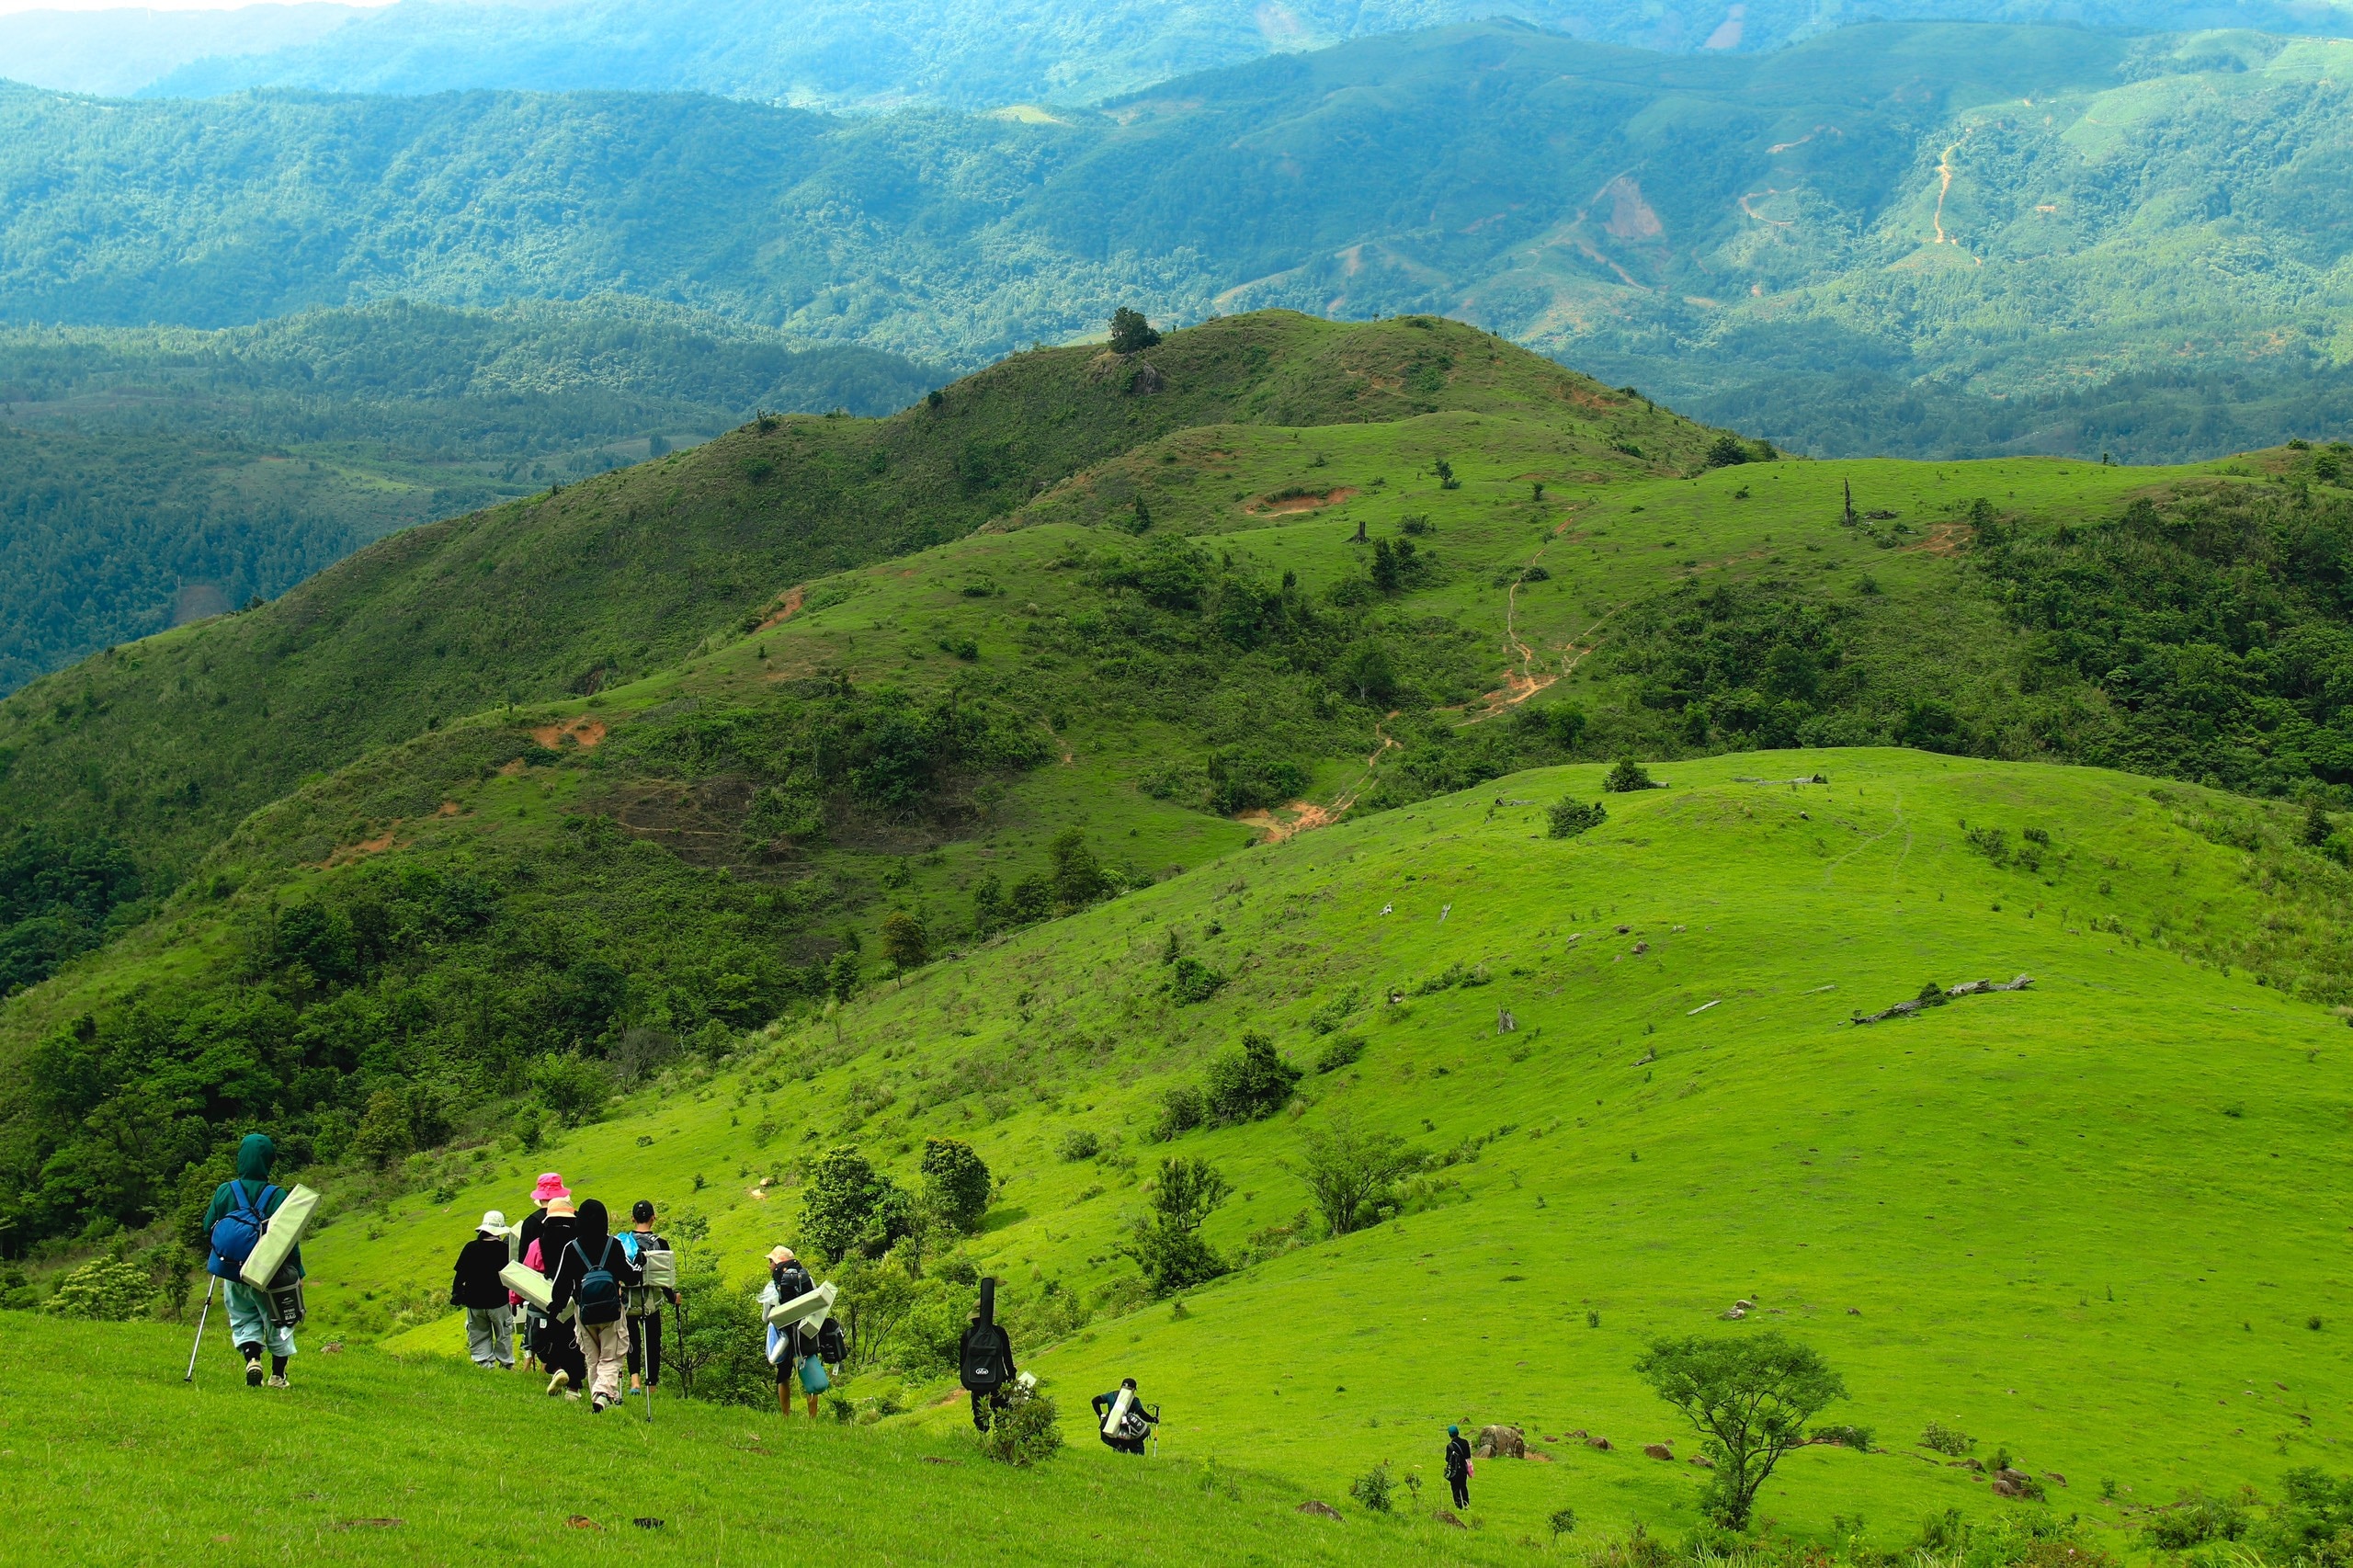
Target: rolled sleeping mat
{"x": 810, "y": 1310}
{"x": 660, "y": 1267}
{"x": 281, "y": 1234}
{"x": 1119, "y": 1413}
{"x": 529, "y": 1283}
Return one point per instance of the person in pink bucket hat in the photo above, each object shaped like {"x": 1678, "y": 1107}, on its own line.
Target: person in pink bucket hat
{"x": 550, "y": 1187}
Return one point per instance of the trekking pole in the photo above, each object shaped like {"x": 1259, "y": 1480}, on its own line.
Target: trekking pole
{"x": 1156, "y": 1431}
{"x": 686, "y": 1361}
{"x": 200, "y": 1330}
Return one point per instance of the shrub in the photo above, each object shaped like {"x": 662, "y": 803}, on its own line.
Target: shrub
{"x": 848, "y": 1206}
{"x": 105, "y": 1290}
{"x": 1023, "y": 1430}
{"x": 1855, "y": 1437}
{"x": 1627, "y": 776}
{"x": 723, "y": 1357}
{"x": 2194, "y": 1521}
{"x": 1726, "y": 451}
{"x": 1249, "y": 778}
{"x": 1563, "y": 1522}
{"x": 1251, "y": 1082}
{"x": 574, "y": 1088}
{"x": 1080, "y": 1143}
{"x": 1182, "y": 1108}
{"x": 1372, "y": 1489}
{"x": 1947, "y": 1440}
{"x": 1568, "y": 819}
{"x": 1338, "y": 1054}
{"x": 1191, "y": 981}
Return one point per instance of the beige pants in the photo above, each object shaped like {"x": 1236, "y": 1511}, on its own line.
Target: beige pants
{"x": 605, "y": 1346}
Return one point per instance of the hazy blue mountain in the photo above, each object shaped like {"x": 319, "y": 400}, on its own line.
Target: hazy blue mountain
{"x": 119, "y": 52}
{"x": 882, "y": 53}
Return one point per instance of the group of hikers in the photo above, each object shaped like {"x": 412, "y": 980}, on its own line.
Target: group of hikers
{"x": 602, "y": 1318}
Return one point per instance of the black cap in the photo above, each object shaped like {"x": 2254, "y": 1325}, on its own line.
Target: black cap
{"x": 641, "y": 1211}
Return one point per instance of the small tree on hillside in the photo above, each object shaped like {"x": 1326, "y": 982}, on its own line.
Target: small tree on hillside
{"x": 2317, "y": 826}
{"x": 1566, "y": 819}
{"x": 1627, "y": 776}
{"x": 905, "y": 941}
{"x": 1348, "y": 1171}
{"x": 956, "y": 1182}
{"x": 1168, "y": 1246}
{"x": 1251, "y": 1082}
{"x": 1751, "y": 1397}
{"x": 1078, "y": 875}
{"x": 1131, "y": 333}
{"x": 849, "y": 1206}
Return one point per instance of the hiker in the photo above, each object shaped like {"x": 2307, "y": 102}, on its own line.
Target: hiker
{"x": 591, "y": 1272}
{"x": 253, "y": 1200}
{"x": 1135, "y": 1424}
{"x": 1458, "y": 1465}
{"x": 553, "y": 1342}
{"x": 644, "y": 1301}
{"x": 533, "y": 1326}
{"x": 474, "y": 1285}
{"x": 787, "y": 1281}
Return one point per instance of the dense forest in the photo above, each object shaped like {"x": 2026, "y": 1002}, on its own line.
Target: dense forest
{"x": 153, "y": 475}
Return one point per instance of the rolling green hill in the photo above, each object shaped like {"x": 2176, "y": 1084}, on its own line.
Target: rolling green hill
{"x": 2050, "y": 1219}
{"x": 154, "y": 476}
{"x": 1911, "y": 238}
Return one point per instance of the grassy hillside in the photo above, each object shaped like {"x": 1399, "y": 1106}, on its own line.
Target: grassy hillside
{"x": 164, "y": 744}
{"x": 378, "y": 1460}
{"x": 1870, "y": 241}
{"x": 502, "y": 920}
{"x": 2050, "y": 1219}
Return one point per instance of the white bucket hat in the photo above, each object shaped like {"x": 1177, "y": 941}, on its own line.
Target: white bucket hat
{"x": 493, "y": 1221}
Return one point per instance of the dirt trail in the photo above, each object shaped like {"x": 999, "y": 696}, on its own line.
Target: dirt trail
{"x": 1307, "y": 503}
{"x": 586, "y": 732}
{"x": 344, "y": 853}
{"x": 793, "y": 599}
{"x": 1306, "y": 816}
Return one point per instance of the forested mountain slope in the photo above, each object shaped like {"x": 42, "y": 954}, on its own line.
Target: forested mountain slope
{"x": 1804, "y": 236}
{"x": 156, "y": 475}
{"x": 165, "y": 744}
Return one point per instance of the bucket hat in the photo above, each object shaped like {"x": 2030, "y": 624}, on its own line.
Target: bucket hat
{"x": 550, "y": 1185}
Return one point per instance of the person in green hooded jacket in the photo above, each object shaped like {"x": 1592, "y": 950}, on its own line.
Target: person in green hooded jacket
{"x": 249, "y": 1325}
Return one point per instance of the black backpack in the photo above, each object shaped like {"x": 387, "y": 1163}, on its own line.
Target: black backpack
{"x": 833, "y": 1346}
{"x": 599, "y": 1296}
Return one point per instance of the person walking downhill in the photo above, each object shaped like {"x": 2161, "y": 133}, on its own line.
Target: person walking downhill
{"x": 1135, "y": 1425}
{"x": 787, "y": 1281}
{"x": 645, "y": 1302}
{"x": 549, "y": 1187}
{"x": 1457, "y": 1466}
{"x": 555, "y": 1344}
{"x": 591, "y": 1273}
{"x": 474, "y": 1285}
{"x": 249, "y": 1326}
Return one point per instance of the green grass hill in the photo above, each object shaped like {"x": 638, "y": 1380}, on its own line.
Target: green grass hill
{"x": 163, "y": 745}
{"x": 2054, "y": 1219}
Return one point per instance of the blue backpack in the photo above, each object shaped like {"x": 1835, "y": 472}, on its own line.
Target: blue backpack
{"x": 237, "y": 1233}
{"x": 599, "y": 1296}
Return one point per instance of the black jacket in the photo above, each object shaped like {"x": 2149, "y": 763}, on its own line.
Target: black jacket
{"x": 1458, "y": 1458}
{"x": 475, "y": 1283}
{"x": 1103, "y": 1401}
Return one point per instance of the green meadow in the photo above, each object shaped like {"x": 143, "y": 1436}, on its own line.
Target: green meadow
{"x": 2090, "y": 1221}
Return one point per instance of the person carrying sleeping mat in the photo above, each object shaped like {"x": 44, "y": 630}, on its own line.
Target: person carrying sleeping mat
{"x": 787, "y": 1281}
{"x": 644, "y": 1302}
{"x": 254, "y": 1199}
{"x": 553, "y": 1340}
{"x": 1135, "y": 1422}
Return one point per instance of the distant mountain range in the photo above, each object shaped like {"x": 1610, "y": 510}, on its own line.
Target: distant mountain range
{"x": 888, "y": 53}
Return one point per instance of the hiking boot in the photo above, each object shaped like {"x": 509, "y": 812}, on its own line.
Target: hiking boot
{"x": 596, "y": 1406}
{"x": 558, "y": 1383}
{"x": 572, "y": 1397}
{"x": 253, "y": 1374}
{"x": 280, "y": 1381}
